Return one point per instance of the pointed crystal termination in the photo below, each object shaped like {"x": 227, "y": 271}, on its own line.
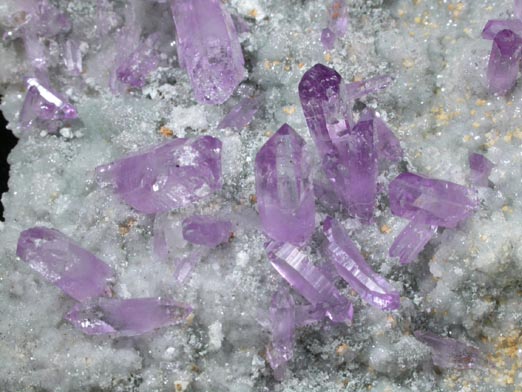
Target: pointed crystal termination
{"x": 351, "y": 266}
{"x": 168, "y": 176}
{"x": 411, "y": 241}
{"x": 242, "y": 114}
{"x": 337, "y": 23}
{"x": 387, "y": 146}
{"x": 76, "y": 271}
{"x": 206, "y": 230}
{"x": 504, "y": 62}
{"x": 480, "y": 169}
{"x": 44, "y": 104}
{"x": 308, "y": 280}
{"x": 495, "y": 26}
{"x": 450, "y": 353}
{"x": 282, "y": 315}
{"x": 126, "y": 317}
{"x": 208, "y": 48}
{"x": 284, "y": 191}
{"x": 429, "y": 201}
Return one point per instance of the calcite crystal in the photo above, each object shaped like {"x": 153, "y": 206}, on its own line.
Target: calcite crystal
{"x": 206, "y": 230}
{"x": 59, "y": 260}
{"x": 168, "y": 176}
{"x": 309, "y": 281}
{"x": 126, "y": 317}
{"x": 208, "y": 48}
{"x": 411, "y": 241}
{"x": 351, "y": 266}
{"x": 480, "y": 169}
{"x": 284, "y": 191}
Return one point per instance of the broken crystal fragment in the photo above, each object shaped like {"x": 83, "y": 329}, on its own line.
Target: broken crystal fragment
{"x": 75, "y": 270}
{"x": 242, "y": 114}
{"x": 284, "y": 191}
{"x": 206, "y": 230}
{"x": 504, "y": 61}
{"x": 411, "y": 241}
{"x": 308, "y": 280}
{"x": 429, "y": 201}
{"x": 208, "y": 48}
{"x": 450, "y": 353}
{"x": 351, "y": 266}
{"x": 126, "y": 317}
{"x": 480, "y": 169}
{"x": 168, "y": 176}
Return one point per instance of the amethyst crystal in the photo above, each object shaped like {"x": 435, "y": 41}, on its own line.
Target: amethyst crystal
{"x": 429, "y": 201}
{"x": 126, "y": 317}
{"x": 518, "y": 8}
{"x": 242, "y": 114}
{"x": 360, "y": 89}
{"x": 351, "y": 266}
{"x": 450, "y": 353}
{"x": 208, "y": 48}
{"x": 183, "y": 266}
{"x": 72, "y": 57}
{"x": 493, "y": 27}
{"x": 284, "y": 191}
{"x": 168, "y": 176}
{"x": 206, "y": 230}
{"x": 387, "y": 146}
{"x": 76, "y": 271}
{"x": 134, "y": 69}
{"x": 337, "y": 23}
{"x": 480, "y": 169}
{"x": 308, "y": 280}
{"x": 504, "y": 61}
{"x": 411, "y": 241}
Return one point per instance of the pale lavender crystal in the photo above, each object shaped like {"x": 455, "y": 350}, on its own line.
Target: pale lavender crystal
{"x": 360, "y": 89}
{"x": 284, "y": 191}
{"x": 206, "y": 230}
{"x": 183, "y": 266}
{"x": 429, "y": 201}
{"x": 493, "y": 27}
{"x": 518, "y": 8}
{"x": 72, "y": 57}
{"x": 242, "y": 114}
{"x": 504, "y": 61}
{"x": 76, "y": 271}
{"x": 337, "y": 23}
{"x": 328, "y": 38}
{"x": 450, "y": 353}
{"x": 168, "y": 176}
{"x": 308, "y": 280}
{"x": 134, "y": 68}
{"x": 387, "y": 146}
{"x": 351, "y": 266}
{"x": 126, "y": 317}
{"x": 480, "y": 169}
{"x": 208, "y": 48}
{"x": 411, "y": 241}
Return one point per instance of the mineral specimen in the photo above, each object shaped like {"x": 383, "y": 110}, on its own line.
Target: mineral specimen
{"x": 284, "y": 191}
{"x": 168, "y": 176}
{"x": 411, "y": 241}
{"x": 504, "y": 61}
{"x": 76, "y": 271}
{"x": 242, "y": 114}
{"x": 208, "y": 48}
{"x": 351, "y": 266}
{"x": 206, "y": 230}
{"x": 480, "y": 169}
{"x": 126, "y": 317}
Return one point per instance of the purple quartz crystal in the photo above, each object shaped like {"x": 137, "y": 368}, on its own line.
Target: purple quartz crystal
{"x": 72, "y": 57}
{"x": 360, "y": 89}
{"x": 351, "y": 266}
{"x": 493, "y": 27}
{"x": 206, "y": 230}
{"x": 328, "y": 38}
{"x": 337, "y": 23}
{"x": 168, "y": 176}
{"x": 126, "y": 317}
{"x": 411, "y": 241}
{"x": 387, "y": 146}
{"x": 480, "y": 169}
{"x": 183, "y": 266}
{"x": 76, "y": 271}
{"x": 242, "y": 114}
{"x": 208, "y": 48}
{"x": 450, "y": 353}
{"x": 285, "y": 196}
{"x": 308, "y": 280}
{"x": 518, "y": 9}
{"x": 431, "y": 202}
{"x": 134, "y": 68}
{"x": 504, "y": 61}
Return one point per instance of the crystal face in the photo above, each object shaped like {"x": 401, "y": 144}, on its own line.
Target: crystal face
{"x": 206, "y": 230}
{"x": 242, "y": 114}
{"x": 76, "y": 271}
{"x": 208, "y": 48}
{"x": 480, "y": 169}
{"x": 285, "y": 196}
{"x": 166, "y": 177}
{"x": 126, "y": 317}
{"x": 351, "y": 266}
{"x": 504, "y": 61}
{"x": 411, "y": 241}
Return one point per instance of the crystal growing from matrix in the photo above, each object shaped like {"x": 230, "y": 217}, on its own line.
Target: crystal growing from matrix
{"x": 480, "y": 168}
{"x": 242, "y": 114}
{"x": 284, "y": 191}
{"x": 206, "y": 230}
{"x": 208, "y": 48}
{"x": 168, "y": 176}
{"x": 411, "y": 241}
{"x": 75, "y": 270}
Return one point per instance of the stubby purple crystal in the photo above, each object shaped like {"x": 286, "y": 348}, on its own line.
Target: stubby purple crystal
{"x": 480, "y": 167}
{"x": 208, "y": 48}
{"x": 134, "y": 69}
{"x": 206, "y": 230}
{"x": 429, "y": 201}
{"x": 76, "y": 271}
{"x": 504, "y": 61}
{"x": 308, "y": 280}
{"x": 337, "y": 23}
{"x": 126, "y": 317}
{"x": 411, "y": 241}
{"x": 168, "y": 176}
{"x": 284, "y": 191}
{"x": 242, "y": 114}
{"x": 518, "y": 8}
{"x": 450, "y": 353}
{"x": 387, "y": 146}
{"x": 351, "y": 266}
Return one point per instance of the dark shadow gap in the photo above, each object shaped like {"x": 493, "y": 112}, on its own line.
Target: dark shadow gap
{"x": 7, "y": 142}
